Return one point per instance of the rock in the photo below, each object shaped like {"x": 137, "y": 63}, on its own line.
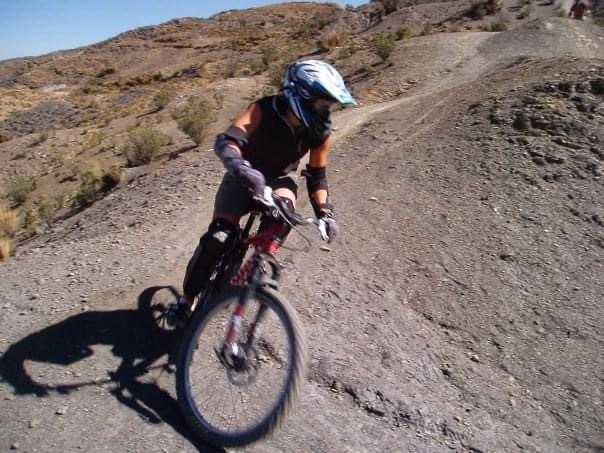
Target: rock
{"x": 521, "y": 122}
{"x": 597, "y": 86}
{"x": 562, "y": 142}
{"x": 14, "y": 446}
{"x": 538, "y": 161}
{"x": 61, "y": 410}
{"x": 554, "y": 159}
{"x": 325, "y": 248}
{"x": 565, "y": 87}
{"x": 34, "y": 423}
{"x": 507, "y": 257}
{"x": 373, "y": 199}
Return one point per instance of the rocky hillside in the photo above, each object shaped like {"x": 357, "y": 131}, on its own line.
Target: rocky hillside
{"x": 459, "y": 310}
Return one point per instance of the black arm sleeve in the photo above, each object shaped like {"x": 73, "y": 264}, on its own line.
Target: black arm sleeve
{"x": 316, "y": 179}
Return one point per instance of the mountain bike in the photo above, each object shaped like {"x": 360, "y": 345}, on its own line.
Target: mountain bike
{"x": 243, "y": 354}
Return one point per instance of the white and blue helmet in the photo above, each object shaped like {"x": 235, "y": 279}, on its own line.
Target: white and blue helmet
{"x": 308, "y": 80}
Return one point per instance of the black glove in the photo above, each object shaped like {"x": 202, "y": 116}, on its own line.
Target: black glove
{"x": 249, "y": 177}
{"x": 328, "y": 226}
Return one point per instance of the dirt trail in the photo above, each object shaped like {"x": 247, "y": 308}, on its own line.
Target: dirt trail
{"x": 83, "y": 371}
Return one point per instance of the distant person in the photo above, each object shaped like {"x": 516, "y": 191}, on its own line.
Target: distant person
{"x": 261, "y": 147}
{"x": 578, "y": 9}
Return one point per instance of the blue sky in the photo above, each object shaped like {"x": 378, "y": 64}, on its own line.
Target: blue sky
{"x": 36, "y": 27}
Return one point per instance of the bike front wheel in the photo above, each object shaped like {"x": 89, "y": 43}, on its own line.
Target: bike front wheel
{"x": 232, "y": 395}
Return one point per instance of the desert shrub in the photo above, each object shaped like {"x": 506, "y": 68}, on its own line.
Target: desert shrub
{"x": 22, "y": 154}
{"x": 230, "y": 69}
{"x": 6, "y": 247}
{"x": 269, "y": 54}
{"x": 9, "y": 222}
{"x": 403, "y": 32}
{"x": 526, "y": 12}
{"x": 93, "y": 139}
{"x": 94, "y": 181}
{"x": 104, "y": 72}
{"x": 143, "y": 144}
{"x": 314, "y": 25}
{"x": 276, "y": 71}
{"x": 162, "y": 98}
{"x": 427, "y": 30}
{"x": 39, "y": 138}
{"x": 48, "y": 207}
{"x": 334, "y": 38}
{"x": 257, "y": 66}
{"x": 369, "y": 69}
{"x": 481, "y": 8}
{"x": 499, "y": 26}
{"x": 195, "y": 117}
{"x": 390, "y": 6}
{"x": 19, "y": 187}
{"x": 377, "y": 13}
{"x": 30, "y": 220}
{"x": 349, "y": 50}
{"x": 383, "y": 45}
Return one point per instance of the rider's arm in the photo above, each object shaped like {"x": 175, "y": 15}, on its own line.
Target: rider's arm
{"x": 316, "y": 179}
{"x": 228, "y": 145}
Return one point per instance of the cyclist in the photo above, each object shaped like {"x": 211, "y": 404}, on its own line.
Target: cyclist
{"x": 261, "y": 147}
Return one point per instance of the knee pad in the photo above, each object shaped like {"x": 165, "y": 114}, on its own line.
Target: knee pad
{"x": 218, "y": 238}
{"x": 211, "y": 246}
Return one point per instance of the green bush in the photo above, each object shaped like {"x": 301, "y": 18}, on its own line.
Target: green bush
{"x": 19, "y": 187}
{"x": 383, "y": 45}
{"x": 195, "y": 117}
{"x": 143, "y": 145}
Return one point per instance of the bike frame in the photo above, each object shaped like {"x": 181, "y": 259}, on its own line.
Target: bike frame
{"x": 266, "y": 243}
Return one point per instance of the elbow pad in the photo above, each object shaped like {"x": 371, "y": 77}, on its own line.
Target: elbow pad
{"x": 223, "y": 146}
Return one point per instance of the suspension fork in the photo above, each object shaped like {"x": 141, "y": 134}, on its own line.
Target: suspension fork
{"x": 248, "y": 291}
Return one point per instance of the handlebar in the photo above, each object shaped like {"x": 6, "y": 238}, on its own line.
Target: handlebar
{"x": 270, "y": 201}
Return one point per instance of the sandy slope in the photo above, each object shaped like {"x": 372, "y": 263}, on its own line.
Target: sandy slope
{"x": 422, "y": 337}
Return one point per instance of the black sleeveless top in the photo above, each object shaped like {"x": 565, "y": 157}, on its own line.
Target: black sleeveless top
{"x": 274, "y": 148}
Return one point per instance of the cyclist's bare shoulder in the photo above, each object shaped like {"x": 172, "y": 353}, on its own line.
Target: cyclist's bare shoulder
{"x": 249, "y": 119}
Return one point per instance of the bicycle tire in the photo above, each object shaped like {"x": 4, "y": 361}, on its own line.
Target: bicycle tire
{"x": 286, "y": 397}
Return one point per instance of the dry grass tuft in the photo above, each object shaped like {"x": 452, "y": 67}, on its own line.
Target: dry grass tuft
{"x": 6, "y": 247}
{"x": 9, "y": 222}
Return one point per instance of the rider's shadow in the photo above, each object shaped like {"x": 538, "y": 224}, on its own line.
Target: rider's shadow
{"x": 134, "y": 337}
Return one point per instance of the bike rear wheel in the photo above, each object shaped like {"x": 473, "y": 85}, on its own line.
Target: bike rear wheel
{"x": 234, "y": 402}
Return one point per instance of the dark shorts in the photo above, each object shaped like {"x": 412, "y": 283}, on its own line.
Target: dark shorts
{"x": 233, "y": 198}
